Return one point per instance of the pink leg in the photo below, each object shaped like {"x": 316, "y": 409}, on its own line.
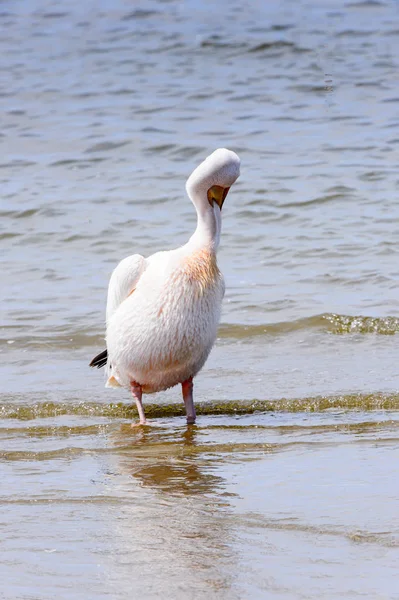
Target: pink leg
{"x": 187, "y": 389}
{"x": 136, "y": 390}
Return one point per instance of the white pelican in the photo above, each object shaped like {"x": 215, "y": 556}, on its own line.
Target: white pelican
{"x": 163, "y": 311}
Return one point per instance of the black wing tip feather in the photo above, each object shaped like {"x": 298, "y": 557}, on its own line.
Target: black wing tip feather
{"x": 100, "y": 360}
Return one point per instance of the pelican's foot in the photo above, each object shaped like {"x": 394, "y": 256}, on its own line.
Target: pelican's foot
{"x": 139, "y": 424}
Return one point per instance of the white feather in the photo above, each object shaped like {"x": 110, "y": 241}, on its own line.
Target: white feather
{"x": 163, "y": 311}
{"x": 123, "y": 281}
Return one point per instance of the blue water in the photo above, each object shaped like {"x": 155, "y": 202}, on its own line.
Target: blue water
{"x": 107, "y": 107}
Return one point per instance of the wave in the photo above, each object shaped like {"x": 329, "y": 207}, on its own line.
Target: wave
{"x": 274, "y": 47}
{"x": 359, "y": 536}
{"x": 279, "y": 45}
{"x": 40, "y": 410}
{"x": 331, "y": 323}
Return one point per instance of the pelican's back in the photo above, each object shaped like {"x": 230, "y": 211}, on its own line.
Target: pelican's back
{"x": 162, "y": 333}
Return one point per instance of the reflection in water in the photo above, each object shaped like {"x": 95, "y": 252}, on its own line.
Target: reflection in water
{"x": 179, "y": 523}
{"x": 169, "y": 462}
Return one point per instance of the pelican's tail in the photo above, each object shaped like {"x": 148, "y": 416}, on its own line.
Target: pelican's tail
{"x": 100, "y": 360}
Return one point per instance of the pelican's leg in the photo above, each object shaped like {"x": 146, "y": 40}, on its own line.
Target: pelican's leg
{"x": 187, "y": 389}
{"x": 136, "y": 390}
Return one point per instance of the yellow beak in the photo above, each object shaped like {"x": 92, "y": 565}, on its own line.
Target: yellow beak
{"x": 217, "y": 194}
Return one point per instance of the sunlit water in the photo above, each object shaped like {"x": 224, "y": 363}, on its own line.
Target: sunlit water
{"x": 287, "y": 487}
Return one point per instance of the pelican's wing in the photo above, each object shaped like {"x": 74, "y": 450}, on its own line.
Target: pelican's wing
{"x": 122, "y": 283}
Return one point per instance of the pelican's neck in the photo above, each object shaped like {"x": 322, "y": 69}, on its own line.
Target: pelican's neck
{"x": 209, "y": 225}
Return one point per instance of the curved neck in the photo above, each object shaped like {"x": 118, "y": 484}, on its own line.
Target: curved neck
{"x": 209, "y": 225}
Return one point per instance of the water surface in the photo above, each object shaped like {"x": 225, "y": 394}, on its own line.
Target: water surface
{"x": 287, "y": 486}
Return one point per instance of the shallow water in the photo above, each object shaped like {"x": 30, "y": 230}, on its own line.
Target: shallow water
{"x": 287, "y": 486}
{"x": 279, "y": 504}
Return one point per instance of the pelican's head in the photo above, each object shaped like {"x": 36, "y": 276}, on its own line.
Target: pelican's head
{"x": 209, "y": 184}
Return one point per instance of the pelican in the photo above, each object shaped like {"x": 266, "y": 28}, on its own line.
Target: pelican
{"x": 163, "y": 311}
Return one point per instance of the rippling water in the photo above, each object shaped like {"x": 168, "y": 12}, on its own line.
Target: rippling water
{"x": 287, "y": 487}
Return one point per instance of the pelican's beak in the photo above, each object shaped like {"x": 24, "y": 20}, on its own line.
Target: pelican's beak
{"x": 217, "y": 194}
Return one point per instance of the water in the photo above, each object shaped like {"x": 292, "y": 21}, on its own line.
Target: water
{"x": 287, "y": 487}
